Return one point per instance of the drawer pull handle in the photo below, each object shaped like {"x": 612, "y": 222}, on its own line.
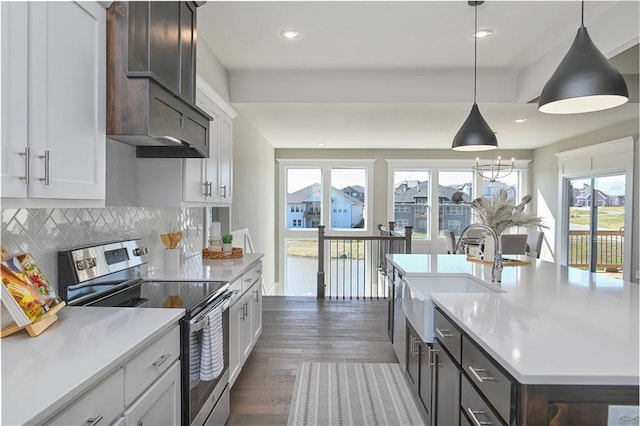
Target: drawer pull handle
{"x": 472, "y": 414}
{"x": 443, "y": 333}
{"x": 161, "y": 360}
{"x": 432, "y": 358}
{"x": 479, "y": 378}
{"x": 91, "y": 421}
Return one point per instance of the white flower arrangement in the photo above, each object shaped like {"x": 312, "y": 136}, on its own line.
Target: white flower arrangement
{"x": 500, "y": 213}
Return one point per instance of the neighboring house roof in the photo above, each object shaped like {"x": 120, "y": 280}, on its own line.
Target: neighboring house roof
{"x": 306, "y": 194}
{"x": 356, "y": 188}
{"x": 313, "y": 193}
{"x": 338, "y": 193}
{"x": 421, "y": 190}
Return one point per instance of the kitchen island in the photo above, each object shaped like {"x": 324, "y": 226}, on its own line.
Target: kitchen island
{"x": 565, "y": 340}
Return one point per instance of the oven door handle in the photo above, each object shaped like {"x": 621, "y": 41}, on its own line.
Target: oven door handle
{"x": 202, "y": 320}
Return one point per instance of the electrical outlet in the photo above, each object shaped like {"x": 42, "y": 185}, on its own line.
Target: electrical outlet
{"x": 623, "y": 415}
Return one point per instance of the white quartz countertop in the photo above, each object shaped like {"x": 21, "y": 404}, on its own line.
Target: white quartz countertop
{"x": 204, "y": 270}
{"x": 41, "y": 374}
{"x": 552, "y": 324}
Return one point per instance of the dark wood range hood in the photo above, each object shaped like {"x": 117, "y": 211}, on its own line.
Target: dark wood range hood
{"x": 151, "y": 79}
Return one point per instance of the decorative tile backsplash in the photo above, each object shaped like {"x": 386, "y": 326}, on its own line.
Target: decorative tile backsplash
{"x": 42, "y": 232}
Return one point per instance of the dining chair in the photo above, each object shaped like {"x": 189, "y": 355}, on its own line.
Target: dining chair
{"x": 534, "y": 244}
{"x": 450, "y": 238}
{"x": 514, "y": 243}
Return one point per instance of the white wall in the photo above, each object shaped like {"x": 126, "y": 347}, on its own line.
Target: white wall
{"x": 209, "y": 67}
{"x": 254, "y": 192}
{"x": 545, "y": 182}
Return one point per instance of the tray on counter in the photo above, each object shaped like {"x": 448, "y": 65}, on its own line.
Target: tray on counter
{"x": 505, "y": 261}
{"x": 235, "y": 253}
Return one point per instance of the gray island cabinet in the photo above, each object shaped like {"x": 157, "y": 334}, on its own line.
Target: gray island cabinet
{"x": 552, "y": 345}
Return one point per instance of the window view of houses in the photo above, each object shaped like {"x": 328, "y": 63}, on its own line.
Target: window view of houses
{"x": 412, "y": 204}
{"x": 304, "y": 207}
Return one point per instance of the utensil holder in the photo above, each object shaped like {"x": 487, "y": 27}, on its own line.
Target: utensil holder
{"x": 171, "y": 259}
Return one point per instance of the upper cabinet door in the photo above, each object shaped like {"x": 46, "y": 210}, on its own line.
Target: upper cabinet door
{"x": 53, "y": 101}
{"x": 66, "y": 102}
{"x": 13, "y": 93}
{"x": 225, "y": 167}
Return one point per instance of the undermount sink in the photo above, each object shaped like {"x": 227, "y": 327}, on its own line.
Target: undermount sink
{"x": 418, "y": 307}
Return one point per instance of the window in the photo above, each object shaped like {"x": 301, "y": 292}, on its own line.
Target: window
{"x": 410, "y": 198}
{"x": 333, "y": 193}
{"x": 454, "y": 189}
{"x": 304, "y": 194}
{"x": 436, "y": 195}
{"x": 345, "y": 182}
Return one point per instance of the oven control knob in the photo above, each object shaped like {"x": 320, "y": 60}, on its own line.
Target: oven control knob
{"x": 81, "y": 264}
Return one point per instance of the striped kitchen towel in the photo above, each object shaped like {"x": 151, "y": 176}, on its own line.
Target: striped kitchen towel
{"x": 212, "y": 354}
{"x": 194, "y": 358}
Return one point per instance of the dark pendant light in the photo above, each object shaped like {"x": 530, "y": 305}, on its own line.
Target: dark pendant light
{"x": 584, "y": 81}
{"x": 475, "y": 134}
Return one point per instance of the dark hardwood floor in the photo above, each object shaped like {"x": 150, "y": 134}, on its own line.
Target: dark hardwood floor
{"x": 297, "y": 329}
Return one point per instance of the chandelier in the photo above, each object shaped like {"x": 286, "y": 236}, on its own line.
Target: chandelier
{"x": 494, "y": 170}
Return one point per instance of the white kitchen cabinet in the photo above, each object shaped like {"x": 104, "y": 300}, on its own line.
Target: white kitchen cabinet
{"x": 256, "y": 311}
{"x": 53, "y": 102}
{"x": 144, "y": 389}
{"x": 247, "y": 334}
{"x": 210, "y": 179}
{"x": 236, "y": 319}
{"x": 160, "y": 403}
{"x": 245, "y": 319}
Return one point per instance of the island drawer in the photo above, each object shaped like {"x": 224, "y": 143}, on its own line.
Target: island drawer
{"x": 145, "y": 367}
{"x": 474, "y": 410}
{"x": 103, "y": 402}
{"x": 494, "y": 385}
{"x": 448, "y": 334}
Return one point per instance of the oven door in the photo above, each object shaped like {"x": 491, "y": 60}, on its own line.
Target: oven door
{"x": 200, "y": 394}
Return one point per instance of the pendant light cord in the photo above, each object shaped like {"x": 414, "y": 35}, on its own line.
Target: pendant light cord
{"x": 582, "y": 15}
{"x": 475, "y": 53}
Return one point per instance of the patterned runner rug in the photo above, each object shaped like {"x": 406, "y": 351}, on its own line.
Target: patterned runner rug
{"x": 352, "y": 394}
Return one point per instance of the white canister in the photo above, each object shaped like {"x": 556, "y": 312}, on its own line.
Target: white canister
{"x": 171, "y": 259}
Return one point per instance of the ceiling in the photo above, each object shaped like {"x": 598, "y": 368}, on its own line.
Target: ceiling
{"x": 399, "y": 74}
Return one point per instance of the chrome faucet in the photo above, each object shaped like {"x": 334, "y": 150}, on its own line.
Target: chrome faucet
{"x": 496, "y": 269}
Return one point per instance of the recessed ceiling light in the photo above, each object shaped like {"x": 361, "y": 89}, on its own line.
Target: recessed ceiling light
{"x": 520, "y": 120}
{"x": 482, "y": 33}
{"x": 290, "y": 34}
{"x": 320, "y": 144}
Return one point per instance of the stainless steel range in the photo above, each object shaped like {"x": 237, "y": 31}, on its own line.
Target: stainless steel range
{"x": 110, "y": 274}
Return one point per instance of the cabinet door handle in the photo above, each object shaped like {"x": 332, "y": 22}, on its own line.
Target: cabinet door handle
{"x": 479, "y": 378}
{"x": 476, "y": 421}
{"x": 432, "y": 358}
{"x": 416, "y": 348}
{"x": 161, "y": 360}
{"x": 27, "y": 165}
{"x": 443, "y": 333}
{"x": 45, "y": 157}
{"x": 209, "y": 191}
{"x": 224, "y": 189}
{"x": 205, "y": 190}
{"x": 256, "y": 293}
{"x": 91, "y": 421}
